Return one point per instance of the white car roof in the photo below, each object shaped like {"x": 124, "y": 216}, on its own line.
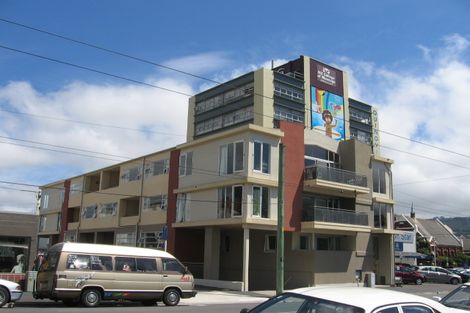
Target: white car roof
{"x": 367, "y": 298}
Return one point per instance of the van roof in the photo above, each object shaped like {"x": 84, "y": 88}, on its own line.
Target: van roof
{"x": 109, "y": 249}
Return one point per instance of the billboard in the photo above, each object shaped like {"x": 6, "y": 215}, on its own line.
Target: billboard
{"x": 327, "y": 113}
{"x": 326, "y": 77}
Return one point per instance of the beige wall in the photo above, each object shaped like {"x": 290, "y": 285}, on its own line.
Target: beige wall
{"x": 55, "y": 195}
{"x": 75, "y": 197}
{"x": 263, "y": 105}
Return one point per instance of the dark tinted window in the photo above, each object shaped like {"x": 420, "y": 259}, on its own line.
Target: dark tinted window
{"x": 172, "y": 265}
{"x": 146, "y": 265}
{"x": 389, "y": 310}
{"x": 416, "y": 309}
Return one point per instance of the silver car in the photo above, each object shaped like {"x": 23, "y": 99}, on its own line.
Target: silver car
{"x": 439, "y": 274}
{"x": 9, "y": 292}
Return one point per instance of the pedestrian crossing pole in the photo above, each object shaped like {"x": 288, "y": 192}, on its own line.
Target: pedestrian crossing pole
{"x": 280, "y": 225}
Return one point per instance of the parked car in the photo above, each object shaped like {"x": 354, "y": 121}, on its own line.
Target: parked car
{"x": 439, "y": 274}
{"x": 458, "y": 299}
{"x": 464, "y": 275}
{"x": 9, "y": 292}
{"x": 347, "y": 300}
{"x": 409, "y": 275}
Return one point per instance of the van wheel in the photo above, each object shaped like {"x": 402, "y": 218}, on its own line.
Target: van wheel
{"x": 4, "y": 296}
{"x": 171, "y": 297}
{"x": 91, "y": 297}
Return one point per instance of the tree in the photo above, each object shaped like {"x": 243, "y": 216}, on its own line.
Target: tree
{"x": 423, "y": 246}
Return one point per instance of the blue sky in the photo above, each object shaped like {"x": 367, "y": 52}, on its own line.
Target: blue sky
{"x": 408, "y": 58}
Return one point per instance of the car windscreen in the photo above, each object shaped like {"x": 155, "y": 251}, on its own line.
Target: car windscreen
{"x": 291, "y": 302}
{"x": 459, "y": 298}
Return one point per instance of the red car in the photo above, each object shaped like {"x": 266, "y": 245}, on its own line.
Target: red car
{"x": 409, "y": 275}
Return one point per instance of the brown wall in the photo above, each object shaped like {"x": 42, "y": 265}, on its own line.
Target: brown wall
{"x": 173, "y": 180}
{"x": 293, "y": 141}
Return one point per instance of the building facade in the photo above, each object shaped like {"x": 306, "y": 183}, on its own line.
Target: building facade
{"x": 215, "y": 197}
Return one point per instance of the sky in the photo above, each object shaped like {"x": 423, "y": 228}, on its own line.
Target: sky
{"x": 67, "y": 108}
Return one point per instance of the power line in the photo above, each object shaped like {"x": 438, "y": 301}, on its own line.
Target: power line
{"x": 95, "y": 71}
{"x": 109, "y": 50}
{"x": 430, "y": 180}
{"x": 63, "y": 147}
{"x": 181, "y": 93}
{"x": 90, "y": 123}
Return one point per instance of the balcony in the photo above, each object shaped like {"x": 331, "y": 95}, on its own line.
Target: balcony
{"x": 334, "y": 219}
{"x": 339, "y": 216}
{"x": 320, "y": 176}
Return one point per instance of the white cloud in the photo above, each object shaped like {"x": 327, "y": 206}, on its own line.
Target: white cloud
{"x": 430, "y": 107}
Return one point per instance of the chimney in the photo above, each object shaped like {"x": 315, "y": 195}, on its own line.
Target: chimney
{"x": 412, "y": 213}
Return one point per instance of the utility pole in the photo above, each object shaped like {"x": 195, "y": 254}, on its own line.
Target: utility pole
{"x": 280, "y": 225}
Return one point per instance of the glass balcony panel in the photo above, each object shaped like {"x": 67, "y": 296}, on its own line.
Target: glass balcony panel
{"x": 339, "y": 216}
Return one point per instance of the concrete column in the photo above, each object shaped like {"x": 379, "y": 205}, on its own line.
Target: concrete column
{"x": 246, "y": 257}
{"x": 211, "y": 253}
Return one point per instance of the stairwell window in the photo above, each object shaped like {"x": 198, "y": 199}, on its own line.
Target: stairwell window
{"x": 262, "y": 157}
{"x": 186, "y": 164}
{"x": 231, "y": 158}
{"x": 230, "y": 202}
{"x": 270, "y": 243}
{"x": 182, "y": 207}
{"x": 261, "y": 202}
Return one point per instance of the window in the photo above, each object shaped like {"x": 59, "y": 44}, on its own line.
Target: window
{"x": 45, "y": 200}
{"x": 288, "y": 92}
{"x": 42, "y": 223}
{"x": 50, "y": 264}
{"x": 270, "y": 243}
{"x": 186, "y": 164}
{"x": 416, "y": 309}
{"x": 231, "y": 158}
{"x": 89, "y": 211}
{"x": 75, "y": 188}
{"x": 172, "y": 265}
{"x": 125, "y": 239}
{"x": 281, "y": 113}
{"x": 219, "y": 122}
{"x": 261, "y": 201}
{"x": 156, "y": 168}
{"x": 152, "y": 240}
{"x": 301, "y": 241}
{"x": 125, "y": 264}
{"x": 182, "y": 207}
{"x": 330, "y": 243}
{"x": 89, "y": 262}
{"x": 107, "y": 209}
{"x": 132, "y": 174}
{"x": 380, "y": 214}
{"x": 392, "y": 309}
{"x": 156, "y": 202}
{"x": 146, "y": 265}
{"x": 70, "y": 236}
{"x": 381, "y": 178}
{"x": 230, "y": 202}
{"x": 262, "y": 157}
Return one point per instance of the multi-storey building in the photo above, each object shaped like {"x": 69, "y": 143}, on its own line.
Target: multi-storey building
{"x": 215, "y": 197}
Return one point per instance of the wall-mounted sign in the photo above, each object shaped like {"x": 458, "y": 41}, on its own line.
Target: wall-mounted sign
{"x": 327, "y": 113}
{"x": 326, "y": 77}
{"x": 408, "y": 237}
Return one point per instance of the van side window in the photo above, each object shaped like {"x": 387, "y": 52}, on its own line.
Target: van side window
{"x": 78, "y": 262}
{"x": 101, "y": 263}
{"x": 124, "y": 264}
{"x": 172, "y": 265}
{"x": 146, "y": 265}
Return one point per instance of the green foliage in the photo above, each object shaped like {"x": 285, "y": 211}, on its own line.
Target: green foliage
{"x": 423, "y": 246}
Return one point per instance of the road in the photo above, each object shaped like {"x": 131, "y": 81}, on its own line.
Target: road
{"x": 205, "y": 302}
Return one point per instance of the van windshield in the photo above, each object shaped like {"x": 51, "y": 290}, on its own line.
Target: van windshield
{"x": 50, "y": 264}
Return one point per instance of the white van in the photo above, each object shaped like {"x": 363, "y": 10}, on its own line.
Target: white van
{"x": 89, "y": 273}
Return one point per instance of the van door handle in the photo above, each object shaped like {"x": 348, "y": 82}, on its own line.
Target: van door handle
{"x": 165, "y": 275}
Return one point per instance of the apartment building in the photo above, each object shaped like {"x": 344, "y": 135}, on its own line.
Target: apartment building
{"x": 213, "y": 200}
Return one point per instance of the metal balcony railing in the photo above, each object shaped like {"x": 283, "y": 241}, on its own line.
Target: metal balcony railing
{"x": 335, "y": 175}
{"x": 339, "y": 216}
